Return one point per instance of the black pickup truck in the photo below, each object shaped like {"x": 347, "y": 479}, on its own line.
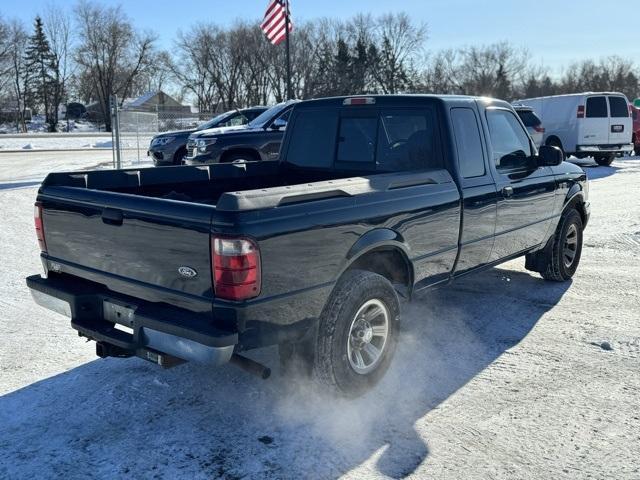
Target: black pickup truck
{"x": 373, "y": 199}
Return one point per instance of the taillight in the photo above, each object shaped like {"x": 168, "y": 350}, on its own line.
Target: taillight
{"x": 539, "y": 129}
{"x": 37, "y": 220}
{"x": 235, "y": 263}
{"x": 580, "y": 113}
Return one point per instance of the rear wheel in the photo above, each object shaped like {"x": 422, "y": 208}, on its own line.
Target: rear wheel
{"x": 604, "y": 160}
{"x": 561, "y": 260}
{"x": 357, "y": 333}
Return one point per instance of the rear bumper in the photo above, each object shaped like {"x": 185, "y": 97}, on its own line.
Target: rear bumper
{"x": 149, "y": 329}
{"x": 624, "y": 148}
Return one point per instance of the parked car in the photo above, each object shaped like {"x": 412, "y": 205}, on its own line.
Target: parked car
{"x": 592, "y": 124}
{"x": 373, "y": 199}
{"x": 260, "y": 140}
{"x": 532, "y": 122}
{"x": 635, "y": 138}
{"x": 169, "y": 148}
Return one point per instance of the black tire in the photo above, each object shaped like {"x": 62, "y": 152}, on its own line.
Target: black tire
{"x": 179, "y": 156}
{"x": 603, "y": 160}
{"x": 556, "y": 265}
{"x": 555, "y": 142}
{"x": 332, "y": 367}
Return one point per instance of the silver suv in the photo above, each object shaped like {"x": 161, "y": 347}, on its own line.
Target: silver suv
{"x": 532, "y": 122}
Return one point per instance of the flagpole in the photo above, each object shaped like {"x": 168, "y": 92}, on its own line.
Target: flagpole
{"x": 286, "y": 39}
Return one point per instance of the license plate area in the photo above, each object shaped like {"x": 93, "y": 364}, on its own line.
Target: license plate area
{"x": 119, "y": 312}
{"x": 617, "y": 128}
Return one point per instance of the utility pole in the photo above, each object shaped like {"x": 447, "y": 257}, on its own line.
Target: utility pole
{"x": 286, "y": 39}
{"x": 115, "y": 130}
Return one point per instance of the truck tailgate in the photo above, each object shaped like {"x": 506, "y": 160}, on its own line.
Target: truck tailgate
{"x": 157, "y": 245}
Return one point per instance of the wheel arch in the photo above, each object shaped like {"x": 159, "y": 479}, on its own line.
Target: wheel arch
{"x": 243, "y": 150}
{"x": 575, "y": 199}
{"x": 382, "y": 251}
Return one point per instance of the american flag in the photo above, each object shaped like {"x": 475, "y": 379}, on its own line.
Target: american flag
{"x": 273, "y": 24}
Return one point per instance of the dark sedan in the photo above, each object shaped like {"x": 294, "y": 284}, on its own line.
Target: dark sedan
{"x": 169, "y": 148}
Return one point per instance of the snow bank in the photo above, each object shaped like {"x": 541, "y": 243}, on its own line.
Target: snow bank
{"x": 105, "y": 144}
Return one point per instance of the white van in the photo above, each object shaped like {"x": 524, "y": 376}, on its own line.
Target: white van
{"x": 594, "y": 124}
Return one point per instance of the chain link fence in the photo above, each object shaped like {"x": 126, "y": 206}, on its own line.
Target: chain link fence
{"x": 136, "y": 131}
{"x": 133, "y": 130}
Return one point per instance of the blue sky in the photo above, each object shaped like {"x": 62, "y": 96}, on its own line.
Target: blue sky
{"x": 555, "y": 32}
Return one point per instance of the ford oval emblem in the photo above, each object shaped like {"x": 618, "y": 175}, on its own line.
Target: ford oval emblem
{"x": 187, "y": 272}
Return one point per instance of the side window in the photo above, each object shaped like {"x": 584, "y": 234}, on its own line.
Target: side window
{"x": 313, "y": 138}
{"x": 511, "y": 147}
{"x": 597, "y": 107}
{"x": 252, "y": 114}
{"x": 406, "y": 141}
{"x": 618, "y": 107}
{"x": 468, "y": 143}
{"x": 356, "y": 140}
{"x": 285, "y": 116}
{"x": 237, "y": 120}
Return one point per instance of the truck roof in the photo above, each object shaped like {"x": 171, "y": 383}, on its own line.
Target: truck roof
{"x": 399, "y": 99}
{"x": 580, "y": 94}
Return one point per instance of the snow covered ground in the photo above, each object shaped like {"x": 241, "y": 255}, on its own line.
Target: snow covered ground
{"x": 29, "y": 168}
{"x": 71, "y": 141}
{"x": 37, "y": 125}
{"x": 500, "y": 376}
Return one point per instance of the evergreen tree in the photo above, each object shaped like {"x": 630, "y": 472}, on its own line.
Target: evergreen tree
{"x": 41, "y": 75}
{"x": 359, "y": 70}
{"x": 342, "y": 69}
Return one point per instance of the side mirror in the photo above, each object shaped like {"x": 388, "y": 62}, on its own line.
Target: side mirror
{"x": 549, "y": 156}
{"x": 278, "y": 124}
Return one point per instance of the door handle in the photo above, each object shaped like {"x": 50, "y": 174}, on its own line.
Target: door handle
{"x": 507, "y": 192}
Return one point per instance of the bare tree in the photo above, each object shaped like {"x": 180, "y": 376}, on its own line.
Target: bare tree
{"x": 57, "y": 26}
{"x": 191, "y": 66}
{"x": 399, "y": 43}
{"x": 13, "y": 42}
{"x": 496, "y": 70}
{"x": 110, "y": 52}
{"x": 609, "y": 74}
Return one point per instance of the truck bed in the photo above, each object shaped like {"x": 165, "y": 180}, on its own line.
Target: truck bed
{"x": 233, "y": 187}
{"x": 131, "y": 230}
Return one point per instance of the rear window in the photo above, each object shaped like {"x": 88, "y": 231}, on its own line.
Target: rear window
{"x": 619, "y": 108}
{"x": 529, "y": 118}
{"x": 357, "y": 139}
{"x": 385, "y": 140}
{"x": 596, "y": 107}
{"x": 313, "y": 141}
